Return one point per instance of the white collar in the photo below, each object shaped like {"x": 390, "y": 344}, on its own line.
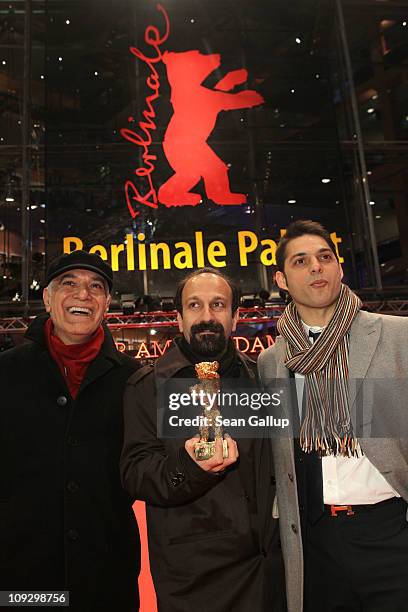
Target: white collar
{"x": 313, "y": 328}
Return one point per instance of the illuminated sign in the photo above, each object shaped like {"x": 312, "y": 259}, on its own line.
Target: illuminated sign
{"x": 135, "y": 254}
{"x": 195, "y": 111}
{"x": 245, "y": 345}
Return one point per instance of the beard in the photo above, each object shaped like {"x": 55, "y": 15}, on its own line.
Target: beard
{"x": 207, "y": 345}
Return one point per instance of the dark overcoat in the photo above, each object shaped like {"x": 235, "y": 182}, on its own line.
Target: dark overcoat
{"x": 213, "y": 542}
{"x": 65, "y": 521}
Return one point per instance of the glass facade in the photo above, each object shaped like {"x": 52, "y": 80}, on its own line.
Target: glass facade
{"x": 300, "y": 107}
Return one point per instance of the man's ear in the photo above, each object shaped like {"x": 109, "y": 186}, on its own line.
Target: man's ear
{"x": 235, "y": 320}
{"x": 180, "y": 322}
{"x": 341, "y": 272}
{"x": 46, "y": 299}
{"x": 108, "y": 301}
{"x": 281, "y": 280}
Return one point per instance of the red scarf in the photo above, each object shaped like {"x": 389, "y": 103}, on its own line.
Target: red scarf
{"x": 73, "y": 359}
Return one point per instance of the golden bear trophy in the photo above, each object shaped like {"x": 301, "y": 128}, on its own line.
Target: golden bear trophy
{"x": 210, "y": 431}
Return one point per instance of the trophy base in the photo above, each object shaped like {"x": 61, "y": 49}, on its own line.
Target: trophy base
{"x": 206, "y": 450}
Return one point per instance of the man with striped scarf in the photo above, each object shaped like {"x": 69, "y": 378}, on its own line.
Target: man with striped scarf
{"x": 342, "y": 481}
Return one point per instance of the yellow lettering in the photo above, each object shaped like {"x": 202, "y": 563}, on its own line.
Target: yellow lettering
{"x": 141, "y": 252}
{"x": 154, "y": 260}
{"x": 199, "y": 249}
{"x": 216, "y": 248}
{"x": 72, "y": 240}
{"x": 337, "y": 240}
{"x": 115, "y": 250}
{"x": 268, "y": 255}
{"x": 244, "y": 247}
{"x": 183, "y": 259}
{"x": 130, "y": 252}
{"x": 98, "y": 248}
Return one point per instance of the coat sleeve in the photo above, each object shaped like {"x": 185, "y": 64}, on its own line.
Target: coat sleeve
{"x": 159, "y": 473}
{"x": 266, "y": 364}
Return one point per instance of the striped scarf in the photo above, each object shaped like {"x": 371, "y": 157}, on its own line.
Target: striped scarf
{"x": 326, "y": 426}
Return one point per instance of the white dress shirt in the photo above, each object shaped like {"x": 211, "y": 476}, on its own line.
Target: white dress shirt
{"x": 347, "y": 480}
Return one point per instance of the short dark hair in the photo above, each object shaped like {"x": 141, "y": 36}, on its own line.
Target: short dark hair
{"x": 297, "y": 229}
{"x": 178, "y": 299}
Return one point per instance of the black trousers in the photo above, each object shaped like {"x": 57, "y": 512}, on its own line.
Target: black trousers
{"x": 358, "y": 563}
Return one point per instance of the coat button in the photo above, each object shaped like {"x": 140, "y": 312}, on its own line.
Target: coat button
{"x": 176, "y": 478}
{"x": 294, "y": 528}
{"x": 72, "y": 486}
{"x": 290, "y": 476}
{"x": 62, "y": 400}
{"x": 73, "y": 535}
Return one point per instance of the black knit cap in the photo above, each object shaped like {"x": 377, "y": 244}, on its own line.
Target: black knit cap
{"x": 79, "y": 260}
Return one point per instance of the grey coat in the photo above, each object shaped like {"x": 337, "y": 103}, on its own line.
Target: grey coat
{"x": 378, "y": 366}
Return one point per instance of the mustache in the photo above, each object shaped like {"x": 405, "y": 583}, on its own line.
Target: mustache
{"x": 206, "y": 326}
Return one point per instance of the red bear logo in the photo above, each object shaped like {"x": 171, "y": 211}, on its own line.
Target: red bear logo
{"x": 196, "y": 109}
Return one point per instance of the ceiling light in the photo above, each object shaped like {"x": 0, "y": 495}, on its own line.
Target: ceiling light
{"x": 292, "y": 91}
{"x": 9, "y": 199}
{"x": 372, "y": 202}
{"x": 374, "y": 97}
{"x": 67, "y": 21}
{"x": 369, "y": 172}
{"x": 298, "y": 40}
{"x": 4, "y": 62}
{"x": 291, "y": 201}
{"x": 378, "y": 216}
{"x": 96, "y": 73}
{"x": 41, "y": 76}
{"x": 326, "y": 180}
{"x": 404, "y": 23}
{"x": 370, "y": 110}
{"x": 60, "y": 59}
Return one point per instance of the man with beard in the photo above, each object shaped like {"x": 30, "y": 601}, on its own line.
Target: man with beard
{"x": 213, "y": 542}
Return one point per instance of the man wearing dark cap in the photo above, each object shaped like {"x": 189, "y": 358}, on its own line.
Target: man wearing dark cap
{"x": 65, "y": 522}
